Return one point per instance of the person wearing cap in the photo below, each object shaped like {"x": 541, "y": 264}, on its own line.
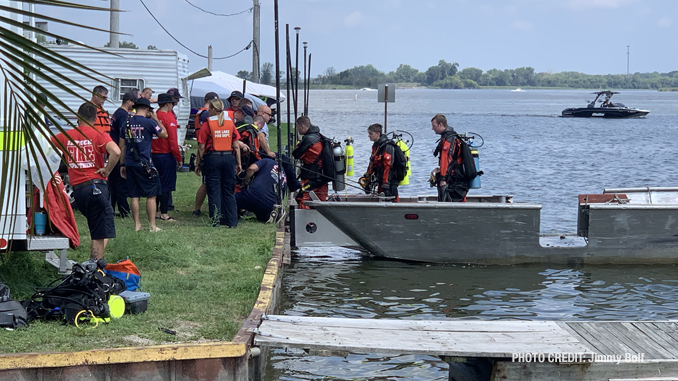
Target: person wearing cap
{"x": 103, "y": 121}
{"x": 218, "y": 148}
{"x": 84, "y": 149}
{"x": 264, "y": 112}
{"x": 200, "y": 118}
{"x": 166, "y": 155}
{"x": 234, "y": 100}
{"x": 116, "y": 183}
{"x": 136, "y": 164}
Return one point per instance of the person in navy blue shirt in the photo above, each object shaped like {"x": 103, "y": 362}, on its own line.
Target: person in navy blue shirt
{"x": 261, "y": 195}
{"x": 116, "y": 184}
{"x": 142, "y": 178}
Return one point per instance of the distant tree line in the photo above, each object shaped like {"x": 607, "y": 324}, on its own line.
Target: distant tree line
{"x": 447, "y": 75}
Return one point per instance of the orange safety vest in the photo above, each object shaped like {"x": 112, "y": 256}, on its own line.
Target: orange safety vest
{"x": 221, "y": 136}
{"x": 103, "y": 122}
{"x": 449, "y": 154}
{"x": 196, "y": 123}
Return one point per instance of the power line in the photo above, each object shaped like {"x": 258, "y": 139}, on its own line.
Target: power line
{"x": 220, "y": 14}
{"x": 186, "y": 47}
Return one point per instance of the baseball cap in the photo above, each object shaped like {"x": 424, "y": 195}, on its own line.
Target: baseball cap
{"x": 174, "y": 92}
{"x": 143, "y": 102}
{"x": 211, "y": 95}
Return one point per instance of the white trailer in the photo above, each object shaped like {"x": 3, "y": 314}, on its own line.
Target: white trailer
{"x": 126, "y": 69}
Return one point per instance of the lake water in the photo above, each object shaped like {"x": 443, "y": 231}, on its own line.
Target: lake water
{"x": 530, "y": 153}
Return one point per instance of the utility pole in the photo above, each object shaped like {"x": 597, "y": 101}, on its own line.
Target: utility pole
{"x": 628, "y": 59}
{"x": 256, "y": 38}
{"x": 114, "y": 37}
{"x": 209, "y": 57}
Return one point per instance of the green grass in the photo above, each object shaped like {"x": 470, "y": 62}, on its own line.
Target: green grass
{"x": 203, "y": 280}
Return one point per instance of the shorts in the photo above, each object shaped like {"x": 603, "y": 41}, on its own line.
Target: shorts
{"x": 167, "y": 169}
{"x": 97, "y": 210}
{"x": 139, "y": 185}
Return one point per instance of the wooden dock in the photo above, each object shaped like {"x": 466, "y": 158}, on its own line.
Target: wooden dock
{"x": 498, "y": 349}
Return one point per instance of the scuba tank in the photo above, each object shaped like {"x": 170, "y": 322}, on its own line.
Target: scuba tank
{"x": 339, "y": 184}
{"x": 349, "y": 156}
{"x": 406, "y": 150}
{"x": 475, "y": 183}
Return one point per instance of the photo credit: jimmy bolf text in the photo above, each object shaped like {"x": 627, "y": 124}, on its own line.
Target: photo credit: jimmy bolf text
{"x": 577, "y": 357}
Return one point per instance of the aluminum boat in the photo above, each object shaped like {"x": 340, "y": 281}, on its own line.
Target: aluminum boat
{"x": 619, "y": 226}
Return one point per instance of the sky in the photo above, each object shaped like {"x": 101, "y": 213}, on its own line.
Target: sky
{"x": 588, "y": 36}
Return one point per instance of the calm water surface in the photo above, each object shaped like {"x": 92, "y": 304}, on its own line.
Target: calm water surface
{"x": 530, "y": 153}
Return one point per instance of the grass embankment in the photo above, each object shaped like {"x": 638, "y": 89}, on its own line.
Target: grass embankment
{"x": 203, "y": 280}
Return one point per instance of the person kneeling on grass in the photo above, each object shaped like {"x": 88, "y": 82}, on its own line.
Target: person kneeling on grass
{"x": 84, "y": 149}
{"x": 260, "y": 196}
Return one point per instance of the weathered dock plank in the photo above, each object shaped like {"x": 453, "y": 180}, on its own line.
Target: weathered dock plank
{"x": 442, "y": 338}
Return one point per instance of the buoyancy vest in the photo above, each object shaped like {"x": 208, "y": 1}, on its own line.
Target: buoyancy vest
{"x": 248, "y": 135}
{"x": 450, "y": 153}
{"x": 221, "y": 137}
{"x": 311, "y": 163}
{"x": 381, "y": 160}
{"x": 103, "y": 121}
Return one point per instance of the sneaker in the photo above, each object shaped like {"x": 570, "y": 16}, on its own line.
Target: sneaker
{"x": 197, "y": 213}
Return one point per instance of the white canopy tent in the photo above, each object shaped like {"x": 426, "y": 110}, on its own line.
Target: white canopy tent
{"x": 224, "y": 83}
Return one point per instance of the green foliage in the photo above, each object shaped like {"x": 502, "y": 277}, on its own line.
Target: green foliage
{"x": 125, "y": 44}
{"x": 446, "y": 75}
{"x": 244, "y": 74}
{"x": 151, "y": 47}
{"x": 267, "y": 73}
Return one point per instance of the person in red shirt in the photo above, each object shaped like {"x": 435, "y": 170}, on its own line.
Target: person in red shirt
{"x": 103, "y": 120}
{"x": 234, "y": 101}
{"x": 380, "y": 173}
{"x": 166, "y": 156}
{"x": 308, "y": 152}
{"x": 218, "y": 149}
{"x": 84, "y": 149}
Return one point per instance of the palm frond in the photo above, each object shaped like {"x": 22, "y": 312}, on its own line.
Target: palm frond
{"x": 25, "y": 66}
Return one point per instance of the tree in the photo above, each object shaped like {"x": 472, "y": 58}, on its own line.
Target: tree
{"x": 123, "y": 44}
{"x": 244, "y": 74}
{"x": 471, "y": 73}
{"x": 405, "y": 73}
{"x": 266, "y": 73}
{"x": 152, "y": 47}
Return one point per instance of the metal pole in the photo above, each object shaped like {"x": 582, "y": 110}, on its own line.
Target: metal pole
{"x": 385, "y": 106}
{"x": 114, "y": 37}
{"x": 308, "y": 87}
{"x": 277, "y": 98}
{"x": 256, "y": 37}
{"x": 209, "y": 58}
{"x": 296, "y": 84}
{"x": 305, "y": 43}
{"x": 628, "y": 59}
{"x": 244, "y": 86}
{"x": 290, "y": 133}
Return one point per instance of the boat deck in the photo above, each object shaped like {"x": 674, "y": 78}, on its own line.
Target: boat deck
{"x": 516, "y": 349}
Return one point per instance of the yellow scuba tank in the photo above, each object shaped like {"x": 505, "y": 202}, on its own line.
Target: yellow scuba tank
{"x": 406, "y": 150}
{"x": 349, "y": 156}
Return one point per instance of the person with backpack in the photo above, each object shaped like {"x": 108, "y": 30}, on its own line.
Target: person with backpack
{"x": 381, "y": 175}
{"x": 309, "y": 152}
{"x": 456, "y": 168}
